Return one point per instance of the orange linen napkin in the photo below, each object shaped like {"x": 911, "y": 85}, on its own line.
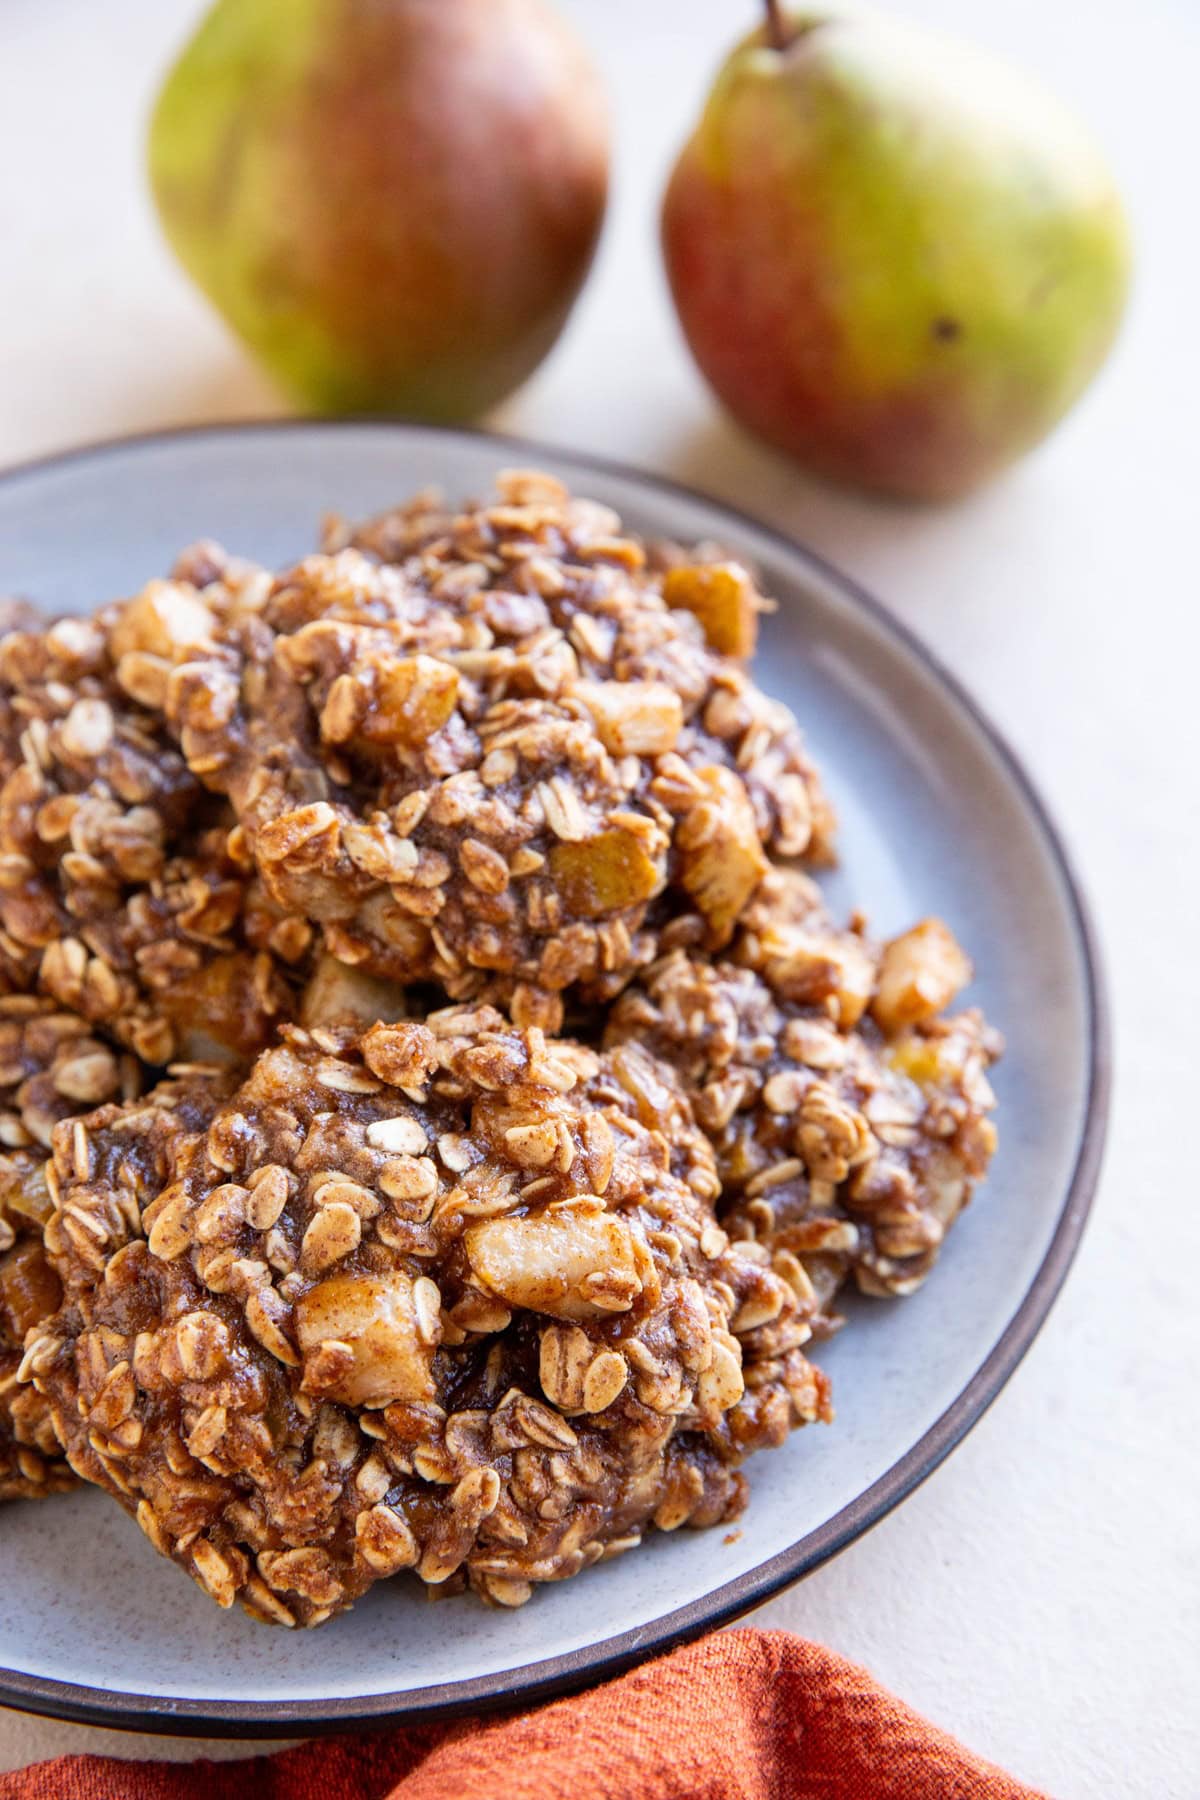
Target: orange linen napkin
{"x": 743, "y": 1715}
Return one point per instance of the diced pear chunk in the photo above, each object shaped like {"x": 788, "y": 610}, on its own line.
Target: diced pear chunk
{"x": 633, "y": 718}
{"x": 814, "y": 968}
{"x": 604, "y": 873}
{"x": 414, "y": 698}
{"x": 374, "y": 1316}
{"x": 919, "y": 974}
{"x": 336, "y": 991}
{"x": 29, "y": 1288}
{"x": 723, "y": 598}
{"x": 568, "y": 1264}
{"x": 721, "y": 858}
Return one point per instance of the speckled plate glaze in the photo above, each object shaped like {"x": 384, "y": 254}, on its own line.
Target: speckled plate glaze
{"x": 937, "y": 816}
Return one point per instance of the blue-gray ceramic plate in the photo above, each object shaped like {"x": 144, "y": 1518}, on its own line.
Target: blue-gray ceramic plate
{"x": 937, "y": 817}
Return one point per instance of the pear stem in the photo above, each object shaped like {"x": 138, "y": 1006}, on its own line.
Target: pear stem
{"x": 778, "y": 34}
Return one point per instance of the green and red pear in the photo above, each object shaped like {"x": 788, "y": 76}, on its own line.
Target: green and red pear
{"x": 892, "y": 256}
{"x": 393, "y": 202}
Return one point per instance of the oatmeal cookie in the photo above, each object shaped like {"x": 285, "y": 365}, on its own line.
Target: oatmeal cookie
{"x": 446, "y": 1297}
{"x": 848, "y": 1115}
{"x": 50, "y": 1069}
{"x": 497, "y": 760}
{"x": 119, "y": 896}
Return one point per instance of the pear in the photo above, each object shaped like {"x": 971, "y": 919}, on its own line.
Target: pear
{"x": 892, "y": 256}
{"x": 393, "y": 202}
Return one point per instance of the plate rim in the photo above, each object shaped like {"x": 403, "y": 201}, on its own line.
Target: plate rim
{"x": 532, "y": 1683}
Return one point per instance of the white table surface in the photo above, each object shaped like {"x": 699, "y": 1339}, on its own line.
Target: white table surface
{"x": 1039, "y": 1596}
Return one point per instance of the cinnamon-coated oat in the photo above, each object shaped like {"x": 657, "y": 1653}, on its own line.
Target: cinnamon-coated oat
{"x": 119, "y": 895}
{"x": 373, "y": 1284}
{"x": 51, "y": 1068}
{"x": 849, "y": 1132}
{"x": 497, "y": 759}
{"x": 445, "y": 1296}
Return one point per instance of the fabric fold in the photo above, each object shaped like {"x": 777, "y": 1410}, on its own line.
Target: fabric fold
{"x": 741, "y": 1715}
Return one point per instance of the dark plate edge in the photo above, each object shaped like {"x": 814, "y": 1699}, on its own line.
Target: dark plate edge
{"x": 563, "y": 1674}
